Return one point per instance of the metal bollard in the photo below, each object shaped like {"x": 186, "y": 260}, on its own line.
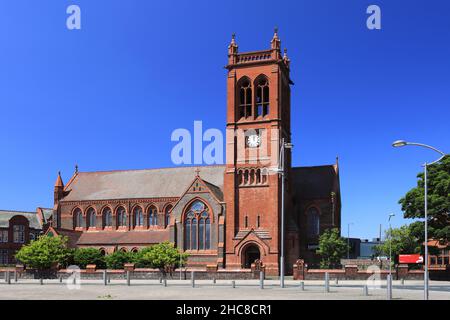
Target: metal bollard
{"x": 105, "y": 277}
{"x": 160, "y": 279}
{"x": 193, "y": 279}
{"x": 128, "y": 278}
{"x": 8, "y": 277}
{"x": 365, "y": 291}
{"x": 15, "y": 276}
{"x": 302, "y": 286}
{"x": 233, "y": 284}
{"x": 389, "y": 287}
{"x": 41, "y": 280}
{"x": 74, "y": 281}
{"x": 60, "y": 279}
{"x": 327, "y": 282}
{"x": 109, "y": 278}
{"x": 336, "y": 281}
{"x": 403, "y": 282}
{"x": 214, "y": 280}
{"x": 165, "y": 282}
{"x": 261, "y": 280}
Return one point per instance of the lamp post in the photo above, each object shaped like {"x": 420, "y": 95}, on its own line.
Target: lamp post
{"x": 281, "y": 171}
{"x": 175, "y": 222}
{"x": 390, "y": 244}
{"x": 402, "y": 143}
{"x": 348, "y": 240}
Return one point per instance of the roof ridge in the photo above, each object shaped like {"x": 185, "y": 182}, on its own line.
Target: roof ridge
{"x": 319, "y": 166}
{"x": 18, "y": 211}
{"x": 151, "y": 169}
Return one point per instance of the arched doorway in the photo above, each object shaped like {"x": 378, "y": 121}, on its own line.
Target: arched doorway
{"x": 249, "y": 255}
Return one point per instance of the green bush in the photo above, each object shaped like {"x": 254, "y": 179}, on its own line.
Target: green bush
{"x": 45, "y": 253}
{"x": 162, "y": 256}
{"x": 117, "y": 259}
{"x": 84, "y": 256}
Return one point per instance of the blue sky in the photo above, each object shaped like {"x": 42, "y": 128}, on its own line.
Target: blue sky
{"x": 108, "y": 96}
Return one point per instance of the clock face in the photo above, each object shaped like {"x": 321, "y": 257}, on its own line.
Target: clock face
{"x": 253, "y": 141}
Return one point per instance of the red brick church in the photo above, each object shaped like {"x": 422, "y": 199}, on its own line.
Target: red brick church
{"x": 225, "y": 215}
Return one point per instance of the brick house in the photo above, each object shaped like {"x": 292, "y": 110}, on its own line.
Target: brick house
{"x": 222, "y": 215}
{"x": 18, "y": 228}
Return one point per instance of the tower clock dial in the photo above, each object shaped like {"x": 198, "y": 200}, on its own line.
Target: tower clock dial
{"x": 253, "y": 141}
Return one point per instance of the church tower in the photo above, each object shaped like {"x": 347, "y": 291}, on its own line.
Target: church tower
{"x": 258, "y": 119}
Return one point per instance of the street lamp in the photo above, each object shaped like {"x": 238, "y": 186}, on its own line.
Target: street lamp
{"x": 280, "y": 170}
{"x": 348, "y": 240}
{"x": 402, "y": 143}
{"x": 390, "y": 244}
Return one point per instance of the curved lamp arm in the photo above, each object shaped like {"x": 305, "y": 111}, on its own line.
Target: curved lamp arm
{"x": 401, "y": 143}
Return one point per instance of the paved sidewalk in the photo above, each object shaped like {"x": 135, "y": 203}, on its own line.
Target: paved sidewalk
{"x": 222, "y": 290}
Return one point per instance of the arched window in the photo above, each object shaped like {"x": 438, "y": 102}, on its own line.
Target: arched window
{"x": 313, "y": 221}
{"x": 138, "y": 218}
{"x": 78, "y": 219}
{"x": 167, "y": 215}
{"x": 91, "y": 218}
{"x": 262, "y": 97}
{"x": 121, "y": 217}
{"x": 152, "y": 216}
{"x": 102, "y": 252}
{"x": 107, "y": 217}
{"x": 197, "y": 227}
{"x": 245, "y": 98}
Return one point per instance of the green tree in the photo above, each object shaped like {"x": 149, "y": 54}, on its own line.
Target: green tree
{"x": 438, "y": 201}
{"x": 163, "y": 256}
{"x": 116, "y": 260}
{"x": 400, "y": 240}
{"x": 45, "y": 253}
{"x": 332, "y": 248}
{"x": 84, "y": 256}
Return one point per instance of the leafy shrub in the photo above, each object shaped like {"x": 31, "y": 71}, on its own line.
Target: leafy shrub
{"x": 45, "y": 253}
{"x": 117, "y": 259}
{"x": 162, "y": 256}
{"x": 84, "y": 256}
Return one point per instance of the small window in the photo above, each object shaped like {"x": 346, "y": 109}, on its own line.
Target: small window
{"x": 258, "y": 221}
{"x": 138, "y": 218}
{"x": 262, "y": 98}
{"x": 313, "y": 222}
{"x": 19, "y": 234}
{"x": 91, "y": 218}
{"x": 121, "y": 217}
{"x": 245, "y": 99}
{"x": 246, "y": 221}
{"x": 4, "y": 257}
{"x": 107, "y": 217}
{"x": 78, "y": 221}
{"x": 3, "y": 236}
{"x": 152, "y": 216}
{"x": 167, "y": 215}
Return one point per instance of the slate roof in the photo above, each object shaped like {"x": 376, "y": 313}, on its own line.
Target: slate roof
{"x": 33, "y": 218}
{"x": 132, "y": 184}
{"x": 128, "y": 237}
{"x": 315, "y": 182}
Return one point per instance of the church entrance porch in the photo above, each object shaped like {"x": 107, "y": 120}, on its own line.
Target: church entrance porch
{"x": 250, "y": 255}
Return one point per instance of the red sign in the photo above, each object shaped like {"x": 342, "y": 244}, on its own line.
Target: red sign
{"x": 410, "y": 258}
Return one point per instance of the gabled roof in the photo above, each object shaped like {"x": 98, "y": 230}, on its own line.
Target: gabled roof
{"x": 315, "y": 182}
{"x": 33, "y": 218}
{"x": 132, "y": 184}
{"x": 72, "y": 235}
